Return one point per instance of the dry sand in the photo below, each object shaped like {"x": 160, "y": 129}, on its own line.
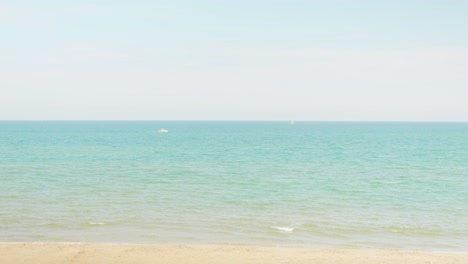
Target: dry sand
{"x": 141, "y": 254}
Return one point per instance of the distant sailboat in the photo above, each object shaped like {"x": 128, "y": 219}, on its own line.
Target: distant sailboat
{"x": 291, "y": 122}
{"x": 162, "y": 130}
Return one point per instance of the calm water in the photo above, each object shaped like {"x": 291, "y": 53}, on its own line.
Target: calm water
{"x": 317, "y": 184}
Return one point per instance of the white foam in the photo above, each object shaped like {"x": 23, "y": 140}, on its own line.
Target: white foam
{"x": 96, "y": 223}
{"x": 284, "y": 228}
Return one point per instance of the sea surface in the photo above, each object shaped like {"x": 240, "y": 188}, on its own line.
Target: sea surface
{"x": 365, "y": 185}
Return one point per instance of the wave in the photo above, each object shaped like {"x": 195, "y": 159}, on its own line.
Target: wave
{"x": 286, "y": 229}
{"x": 93, "y": 224}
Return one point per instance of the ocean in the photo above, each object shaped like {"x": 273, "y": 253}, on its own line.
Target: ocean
{"x": 365, "y": 185}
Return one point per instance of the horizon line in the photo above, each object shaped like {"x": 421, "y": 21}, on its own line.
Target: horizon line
{"x": 229, "y": 120}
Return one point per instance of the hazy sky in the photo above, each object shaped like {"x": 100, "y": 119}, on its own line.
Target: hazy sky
{"x": 234, "y": 60}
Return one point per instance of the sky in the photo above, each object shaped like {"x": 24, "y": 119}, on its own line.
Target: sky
{"x": 327, "y": 60}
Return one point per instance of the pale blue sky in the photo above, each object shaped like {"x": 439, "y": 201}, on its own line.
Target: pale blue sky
{"x": 234, "y": 60}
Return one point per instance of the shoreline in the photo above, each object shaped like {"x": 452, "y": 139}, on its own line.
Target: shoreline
{"x": 196, "y": 245}
{"x": 77, "y": 253}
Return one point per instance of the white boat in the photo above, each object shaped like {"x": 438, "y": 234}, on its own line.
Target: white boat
{"x": 291, "y": 122}
{"x": 162, "y": 130}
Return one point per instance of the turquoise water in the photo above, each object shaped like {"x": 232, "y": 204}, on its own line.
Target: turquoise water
{"x": 315, "y": 184}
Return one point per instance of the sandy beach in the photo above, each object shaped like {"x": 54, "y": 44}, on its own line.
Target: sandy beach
{"x": 109, "y": 253}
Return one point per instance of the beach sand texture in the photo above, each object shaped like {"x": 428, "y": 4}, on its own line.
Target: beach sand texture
{"x": 115, "y": 254}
